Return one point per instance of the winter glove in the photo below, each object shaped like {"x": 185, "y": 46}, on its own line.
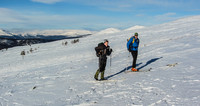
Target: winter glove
{"x": 110, "y": 50}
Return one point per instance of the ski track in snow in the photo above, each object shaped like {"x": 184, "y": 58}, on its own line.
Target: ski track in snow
{"x": 63, "y": 75}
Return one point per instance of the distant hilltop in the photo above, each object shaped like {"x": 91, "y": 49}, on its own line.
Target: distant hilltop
{"x": 10, "y": 39}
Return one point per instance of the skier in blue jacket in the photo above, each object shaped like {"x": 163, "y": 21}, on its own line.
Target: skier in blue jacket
{"x": 132, "y": 46}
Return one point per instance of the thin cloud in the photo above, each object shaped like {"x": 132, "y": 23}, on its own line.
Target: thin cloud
{"x": 13, "y": 19}
{"x": 142, "y": 12}
{"x": 47, "y": 1}
{"x": 10, "y": 16}
{"x": 165, "y": 17}
{"x": 130, "y": 5}
{"x": 109, "y": 5}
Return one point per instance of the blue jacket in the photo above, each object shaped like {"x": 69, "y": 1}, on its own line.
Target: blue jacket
{"x": 133, "y": 44}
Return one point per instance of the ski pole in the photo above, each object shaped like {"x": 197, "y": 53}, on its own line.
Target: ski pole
{"x": 110, "y": 62}
{"x": 128, "y": 60}
{"x": 110, "y": 59}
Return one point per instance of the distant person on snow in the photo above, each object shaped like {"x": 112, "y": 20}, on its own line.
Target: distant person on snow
{"x": 132, "y": 46}
{"x": 102, "y": 50}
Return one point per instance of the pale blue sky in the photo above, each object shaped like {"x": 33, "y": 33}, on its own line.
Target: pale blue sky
{"x": 92, "y": 14}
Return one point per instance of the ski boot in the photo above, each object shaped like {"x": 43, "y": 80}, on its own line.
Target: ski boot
{"x": 134, "y": 69}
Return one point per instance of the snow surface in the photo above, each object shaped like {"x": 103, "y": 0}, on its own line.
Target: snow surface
{"x": 3, "y": 33}
{"x": 57, "y": 75}
{"x": 108, "y": 31}
{"x": 46, "y": 32}
{"x": 56, "y": 32}
{"x": 135, "y": 27}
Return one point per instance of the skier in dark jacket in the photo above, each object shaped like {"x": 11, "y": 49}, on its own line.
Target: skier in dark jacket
{"x": 102, "y": 50}
{"x": 132, "y": 46}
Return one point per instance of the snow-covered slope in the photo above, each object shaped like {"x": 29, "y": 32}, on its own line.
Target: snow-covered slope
{"x": 46, "y": 32}
{"x": 43, "y": 34}
{"x": 135, "y": 27}
{"x": 56, "y": 32}
{"x": 3, "y": 33}
{"x": 54, "y": 74}
{"x": 18, "y": 38}
{"x": 108, "y": 31}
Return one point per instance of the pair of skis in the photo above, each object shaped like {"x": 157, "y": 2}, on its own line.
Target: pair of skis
{"x": 141, "y": 70}
{"x": 128, "y": 71}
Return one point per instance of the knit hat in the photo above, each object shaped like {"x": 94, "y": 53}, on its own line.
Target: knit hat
{"x": 136, "y": 34}
{"x": 105, "y": 40}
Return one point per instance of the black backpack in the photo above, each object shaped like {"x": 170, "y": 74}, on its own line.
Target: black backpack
{"x": 98, "y": 49}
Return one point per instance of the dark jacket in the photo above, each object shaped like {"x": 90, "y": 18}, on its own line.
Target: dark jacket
{"x": 102, "y": 51}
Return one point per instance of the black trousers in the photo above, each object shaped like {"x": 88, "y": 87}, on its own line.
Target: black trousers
{"x": 134, "y": 55}
{"x": 102, "y": 63}
{"x": 102, "y": 66}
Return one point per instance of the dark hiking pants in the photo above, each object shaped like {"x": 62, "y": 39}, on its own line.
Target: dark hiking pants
{"x": 134, "y": 55}
{"x": 102, "y": 66}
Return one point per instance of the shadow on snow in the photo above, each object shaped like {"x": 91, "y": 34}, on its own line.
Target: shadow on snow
{"x": 129, "y": 67}
{"x": 149, "y": 62}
